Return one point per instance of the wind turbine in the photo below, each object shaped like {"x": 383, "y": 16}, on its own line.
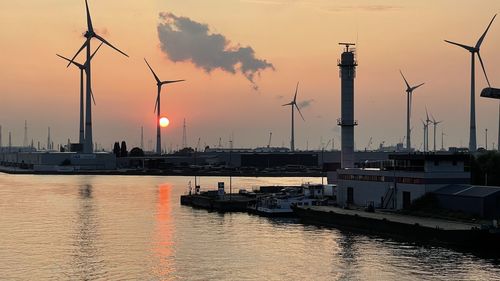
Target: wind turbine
{"x": 89, "y": 34}
{"x": 159, "y": 83}
{"x": 293, "y": 104}
{"x": 409, "y": 93}
{"x": 426, "y": 134}
{"x": 435, "y": 123}
{"x": 473, "y": 51}
{"x": 83, "y": 68}
{"x": 428, "y": 121}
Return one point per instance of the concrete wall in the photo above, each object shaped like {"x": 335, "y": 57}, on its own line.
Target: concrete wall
{"x": 46, "y": 161}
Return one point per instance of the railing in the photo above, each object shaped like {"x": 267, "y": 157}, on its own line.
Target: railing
{"x": 388, "y": 198}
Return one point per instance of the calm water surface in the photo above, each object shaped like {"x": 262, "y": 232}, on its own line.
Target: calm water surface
{"x": 133, "y": 228}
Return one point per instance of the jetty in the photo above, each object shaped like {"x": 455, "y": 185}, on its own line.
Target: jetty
{"x": 410, "y": 228}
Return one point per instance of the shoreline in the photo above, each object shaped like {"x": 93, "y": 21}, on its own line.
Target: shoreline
{"x": 17, "y": 171}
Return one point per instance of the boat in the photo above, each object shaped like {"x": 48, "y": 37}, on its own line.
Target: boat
{"x": 280, "y": 204}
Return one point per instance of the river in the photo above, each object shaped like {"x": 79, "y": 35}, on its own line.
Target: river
{"x": 133, "y": 228}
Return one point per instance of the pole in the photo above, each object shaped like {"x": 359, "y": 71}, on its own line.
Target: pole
{"x": 486, "y": 139}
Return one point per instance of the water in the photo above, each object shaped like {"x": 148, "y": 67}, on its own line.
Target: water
{"x": 133, "y": 228}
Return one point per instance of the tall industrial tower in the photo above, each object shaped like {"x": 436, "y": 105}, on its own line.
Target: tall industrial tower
{"x": 347, "y": 65}
{"x": 25, "y": 141}
{"x": 184, "y": 136}
{"x": 0, "y": 136}
{"x": 48, "y": 139}
{"x": 142, "y": 137}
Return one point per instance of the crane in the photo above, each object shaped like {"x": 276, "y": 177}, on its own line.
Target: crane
{"x": 368, "y": 146}
{"x": 327, "y": 144}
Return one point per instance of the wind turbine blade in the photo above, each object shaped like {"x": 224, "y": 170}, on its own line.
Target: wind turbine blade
{"x": 170, "y": 82}
{"x": 95, "y": 52}
{"x": 298, "y": 109}
{"x": 109, "y": 44}
{"x": 471, "y": 49}
{"x": 79, "y": 50}
{"x": 75, "y": 63}
{"x": 407, "y": 85}
{"x": 89, "y": 19}
{"x": 484, "y": 71}
{"x": 157, "y": 98}
{"x": 92, "y": 95}
{"x": 480, "y": 41}
{"x": 154, "y": 74}
{"x": 290, "y": 103}
{"x": 296, "y": 90}
{"x": 413, "y": 88}
{"x": 427, "y": 114}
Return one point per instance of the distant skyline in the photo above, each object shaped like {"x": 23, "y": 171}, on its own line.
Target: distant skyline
{"x": 269, "y": 46}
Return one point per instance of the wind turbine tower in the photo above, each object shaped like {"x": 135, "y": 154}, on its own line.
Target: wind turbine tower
{"x": 83, "y": 68}
{"x": 347, "y": 66}
{"x": 0, "y": 136}
{"x": 435, "y": 123}
{"x": 474, "y": 50}
{"x": 10, "y": 141}
{"x": 89, "y": 34}
{"x": 293, "y": 105}
{"x": 159, "y": 84}
{"x": 409, "y": 95}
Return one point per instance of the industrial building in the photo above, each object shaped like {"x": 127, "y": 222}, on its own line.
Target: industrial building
{"x": 482, "y": 201}
{"x": 396, "y": 183}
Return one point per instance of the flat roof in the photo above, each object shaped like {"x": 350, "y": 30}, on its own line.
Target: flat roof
{"x": 431, "y": 156}
{"x": 468, "y": 190}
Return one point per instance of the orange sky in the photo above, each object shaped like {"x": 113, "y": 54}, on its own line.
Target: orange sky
{"x": 298, "y": 37}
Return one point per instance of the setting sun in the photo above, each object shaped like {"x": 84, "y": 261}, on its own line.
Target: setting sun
{"x": 164, "y": 122}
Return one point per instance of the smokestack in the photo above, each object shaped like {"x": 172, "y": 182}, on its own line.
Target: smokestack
{"x": 25, "y": 141}
{"x": 347, "y": 65}
{"x": 142, "y": 137}
{"x": 48, "y": 139}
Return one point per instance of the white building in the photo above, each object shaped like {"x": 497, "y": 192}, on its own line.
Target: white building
{"x": 394, "y": 184}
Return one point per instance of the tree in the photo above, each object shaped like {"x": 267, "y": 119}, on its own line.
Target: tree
{"x": 116, "y": 149}
{"x": 136, "y": 152}
{"x": 485, "y": 169}
{"x": 123, "y": 150}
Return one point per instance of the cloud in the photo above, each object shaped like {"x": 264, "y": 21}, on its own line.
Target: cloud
{"x": 305, "y": 103}
{"x": 183, "y": 39}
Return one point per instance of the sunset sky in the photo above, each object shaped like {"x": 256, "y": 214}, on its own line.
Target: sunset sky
{"x": 292, "y": 40}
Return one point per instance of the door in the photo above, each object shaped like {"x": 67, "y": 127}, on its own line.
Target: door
{"x": 350, "y": 195}
{"x": 406, "y": 199}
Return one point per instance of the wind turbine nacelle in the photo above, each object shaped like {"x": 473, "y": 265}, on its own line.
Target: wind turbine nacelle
{"x": 492, "y": 93}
